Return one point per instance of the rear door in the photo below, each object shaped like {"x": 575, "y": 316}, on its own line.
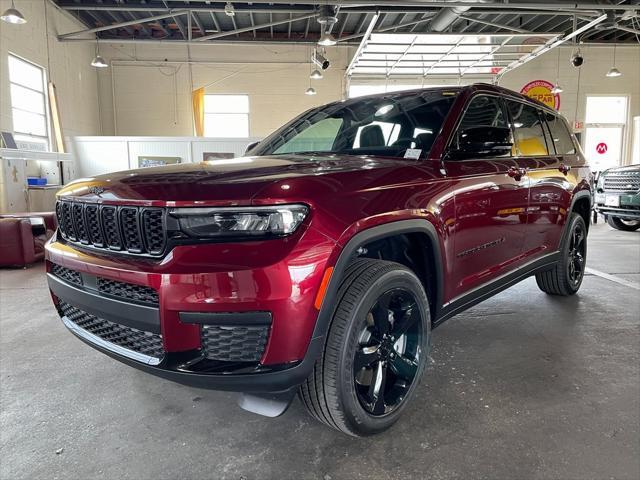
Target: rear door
{"x": 490, "y": 205}
{"x": 538, "y": 135}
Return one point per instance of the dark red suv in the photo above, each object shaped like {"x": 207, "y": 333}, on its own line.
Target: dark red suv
{"x": 321, "y": 261}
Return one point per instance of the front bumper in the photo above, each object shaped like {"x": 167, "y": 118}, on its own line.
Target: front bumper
{"x": 617, "y": 204}
{"x": 268, "y": 306}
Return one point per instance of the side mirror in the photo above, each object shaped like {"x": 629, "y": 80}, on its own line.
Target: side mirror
{"x": 250, "y": 147}
{"x": 482, "y": 142}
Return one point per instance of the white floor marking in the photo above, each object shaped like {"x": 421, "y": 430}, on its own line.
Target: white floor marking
{"x": 612, "y": 278}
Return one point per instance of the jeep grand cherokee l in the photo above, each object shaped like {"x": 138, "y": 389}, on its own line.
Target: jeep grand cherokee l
{"x": 321, "y": 261}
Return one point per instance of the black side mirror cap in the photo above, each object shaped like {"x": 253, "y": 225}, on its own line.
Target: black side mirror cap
{"x": 250, "y": 147}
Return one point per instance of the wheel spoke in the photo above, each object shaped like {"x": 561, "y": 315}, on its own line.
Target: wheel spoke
{"x": 405, "y": 320}
{"x": 376, "y": 389}
{"x": 365, "y": 357}
{"x": 404, "y": 367}
{"x": 381, "y": 313}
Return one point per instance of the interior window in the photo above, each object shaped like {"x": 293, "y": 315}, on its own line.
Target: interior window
{"x": 318, "y": 137}
{"x": 560, "y": 135}
{"x": 527, "y": 126}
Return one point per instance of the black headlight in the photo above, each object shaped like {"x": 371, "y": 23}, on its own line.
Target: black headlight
{"x": 251, "y": 222}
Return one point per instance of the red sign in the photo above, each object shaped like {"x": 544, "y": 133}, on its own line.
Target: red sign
{"x": 541, "y": 91}
{"x": 602, "y": 148}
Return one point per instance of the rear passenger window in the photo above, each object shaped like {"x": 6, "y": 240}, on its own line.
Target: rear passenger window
{"x": 483, "y": 112}
{"x": 527, "y": 127}
{"x": 560, "y": 135}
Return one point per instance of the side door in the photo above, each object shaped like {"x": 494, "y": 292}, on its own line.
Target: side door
{"x": 491, "y": 197}
{"x": 549, "y": 172}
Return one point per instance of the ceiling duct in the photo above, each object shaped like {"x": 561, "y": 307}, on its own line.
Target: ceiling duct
{"x": 446, "y": 16}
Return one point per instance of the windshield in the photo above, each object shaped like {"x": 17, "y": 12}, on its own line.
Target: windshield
{"x": 401, "y": 126}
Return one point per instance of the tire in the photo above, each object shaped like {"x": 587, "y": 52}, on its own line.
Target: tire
{"x": 624, "y": 225}
{"x": 337, "y": 393}
{"x": 566, "y": 276}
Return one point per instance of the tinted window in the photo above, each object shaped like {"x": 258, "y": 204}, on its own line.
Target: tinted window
{"x": 319, "y": 136}
{"x": 560, "y": 135}
{"x": 483, "y": 112}
{"x": 383, "y": 126}
{"x": 527, "y": 126}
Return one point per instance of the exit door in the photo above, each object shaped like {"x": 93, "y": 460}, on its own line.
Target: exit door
{"x": 605, "y": 123}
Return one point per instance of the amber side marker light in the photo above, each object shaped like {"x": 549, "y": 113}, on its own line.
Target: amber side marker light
{"x": 323, "y": 287}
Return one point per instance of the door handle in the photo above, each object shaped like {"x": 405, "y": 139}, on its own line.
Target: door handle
{"x": 564, "y": 168}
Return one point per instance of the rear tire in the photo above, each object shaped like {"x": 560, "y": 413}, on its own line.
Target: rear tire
{"x": 375, "y": 352}
{"x": 566, "y": 276}
{"x": 624, "y": 225}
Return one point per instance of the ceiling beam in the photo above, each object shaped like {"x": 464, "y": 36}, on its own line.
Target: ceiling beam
{"x": 213, "y": 36}
{"x": 363, "y": 44}
{"x": 124, "y": 24}
{"x": 492, "y": 24}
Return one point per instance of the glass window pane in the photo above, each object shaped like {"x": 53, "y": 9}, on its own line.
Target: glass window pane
{"x": 226, "y": 104}
{"x": 25, "y": 74}
{"x": 319, "y": 137}
{"x": 602, "y": 147}
{"x": 529, "y": 134}
{"x": 483, "y": 112}
{"x": 26, "y": 99}
{"x": 606, "y": 110}
{"x": 226, "y": 125}
{"x": 30, "y": 123}
{"x": 390, "y": 132}
{"x": 560, "y": 134}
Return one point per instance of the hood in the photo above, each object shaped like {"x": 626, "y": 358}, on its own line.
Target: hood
{"x": 217, "y": 182}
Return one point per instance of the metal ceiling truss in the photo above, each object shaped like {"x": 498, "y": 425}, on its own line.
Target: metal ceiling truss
{"x": 287, "y": 21}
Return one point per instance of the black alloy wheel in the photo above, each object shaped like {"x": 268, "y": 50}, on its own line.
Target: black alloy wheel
{"x": 386, "y": 361}
{"x": 577, "y": 254}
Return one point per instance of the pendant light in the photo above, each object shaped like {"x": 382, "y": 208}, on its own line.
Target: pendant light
{"x": 13, "y": 15}
{"x": 98, "y": 61}
{"x": 556, "y": 87}
{"x": 613, "y": 71}
{"x": 316, "y": 75}
{"x": 311, "y": 90}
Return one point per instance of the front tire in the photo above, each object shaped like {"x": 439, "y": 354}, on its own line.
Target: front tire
{"x": 375, "y": 352}
{"x": 624, "y": 225}
{"x": 566, "y": 276}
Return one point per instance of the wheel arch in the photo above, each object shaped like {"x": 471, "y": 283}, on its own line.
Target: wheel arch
{"x": 377, "y": 233}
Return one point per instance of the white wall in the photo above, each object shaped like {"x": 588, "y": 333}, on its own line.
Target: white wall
{"x": 154, "y": 98}
{"x": 70, "y": 69}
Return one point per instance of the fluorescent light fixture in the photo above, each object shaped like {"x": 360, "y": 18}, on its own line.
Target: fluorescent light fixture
{"x": 12, "y": 15}
{"x": 316, "y": 74}
{"x": 614, "y": 72}
{"x": 99, "y": 62}
{"x": 310, "y": 91}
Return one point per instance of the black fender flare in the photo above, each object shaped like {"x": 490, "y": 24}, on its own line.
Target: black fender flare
{"x": 576, "y": 196}
{"x": 349, "y": 252}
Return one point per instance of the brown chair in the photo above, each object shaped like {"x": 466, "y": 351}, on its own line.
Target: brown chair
{"x": 23, "y": 236}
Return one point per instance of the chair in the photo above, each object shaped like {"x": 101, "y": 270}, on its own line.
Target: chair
{"x": 23, "y": 236}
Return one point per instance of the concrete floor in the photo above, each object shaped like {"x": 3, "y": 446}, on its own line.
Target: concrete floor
{"x": 523, "y": 386}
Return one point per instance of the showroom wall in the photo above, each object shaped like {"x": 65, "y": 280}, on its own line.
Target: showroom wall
{"x": 67, "y": 65}
{"x": 152, "y": 97}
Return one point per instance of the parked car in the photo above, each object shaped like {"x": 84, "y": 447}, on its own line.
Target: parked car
{"x": 321, "y": 261}
{"x": 618, "y": 197}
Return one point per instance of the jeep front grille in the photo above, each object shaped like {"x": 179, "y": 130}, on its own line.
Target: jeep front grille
{"x": 132, "y": 339}
{"x": 130, "y": 229}
{"x": 622, "y": 182}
